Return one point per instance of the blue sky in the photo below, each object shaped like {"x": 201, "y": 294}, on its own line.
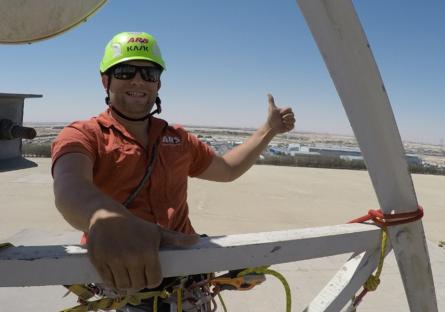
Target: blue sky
{"x": 223, "y": 57}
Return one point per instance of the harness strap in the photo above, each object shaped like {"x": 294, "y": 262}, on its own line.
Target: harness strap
{"x": 116, "y": 303}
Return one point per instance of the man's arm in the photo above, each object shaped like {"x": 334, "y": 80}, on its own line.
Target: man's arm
{"x": 76, "y": 197}
{"x": 122, "y": 247}
{"x": 238, "y": 160}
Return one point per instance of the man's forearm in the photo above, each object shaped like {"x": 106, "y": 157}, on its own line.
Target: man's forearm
{"x": 237, "y": 161}
{"x": 242, "y": 157}
{"x": 81, "y": 203}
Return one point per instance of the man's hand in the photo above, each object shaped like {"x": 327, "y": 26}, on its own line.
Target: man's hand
{"x": 238, "y": 160}
{"x": 124, "y": 249}
{"x": 280, "y": 120}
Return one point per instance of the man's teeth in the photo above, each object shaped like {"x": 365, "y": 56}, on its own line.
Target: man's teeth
{"x": 139, "y": 94}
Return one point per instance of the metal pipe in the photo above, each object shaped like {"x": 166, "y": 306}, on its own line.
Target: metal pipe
{"x": 10, "y": 131}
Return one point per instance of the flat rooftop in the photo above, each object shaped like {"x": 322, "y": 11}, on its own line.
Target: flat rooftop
{"x": 267, "y": 198}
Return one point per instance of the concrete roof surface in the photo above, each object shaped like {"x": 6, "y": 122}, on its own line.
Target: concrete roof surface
{"x": 266, "y": 198}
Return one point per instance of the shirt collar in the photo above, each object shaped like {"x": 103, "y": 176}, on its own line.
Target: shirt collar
{"x": 155, "y": 129}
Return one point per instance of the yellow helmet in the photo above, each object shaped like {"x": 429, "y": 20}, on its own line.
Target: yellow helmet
{"x": 129, "y": 46}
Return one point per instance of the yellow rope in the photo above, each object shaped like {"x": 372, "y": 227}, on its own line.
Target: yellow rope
{"x": 222, "y": 302}
{"x": 374, "y": 280}
{"x": 117, "y": 303}
{"x": 280, "y": 277}
{"x": 179, "y": 299}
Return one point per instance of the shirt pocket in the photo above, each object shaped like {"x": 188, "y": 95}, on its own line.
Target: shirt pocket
{"x": 171, "y": 175}
{"x": 129, "y": 161}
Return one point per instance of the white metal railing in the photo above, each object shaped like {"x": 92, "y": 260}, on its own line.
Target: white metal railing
{"x": 69, "y": 264}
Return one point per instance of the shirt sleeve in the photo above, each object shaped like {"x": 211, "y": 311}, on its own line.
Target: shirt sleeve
{"x": 202, "y": 155}
{"x": 74, "y": 138}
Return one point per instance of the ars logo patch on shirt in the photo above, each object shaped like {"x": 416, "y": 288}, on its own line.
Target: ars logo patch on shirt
{"x": 167, "y": 139}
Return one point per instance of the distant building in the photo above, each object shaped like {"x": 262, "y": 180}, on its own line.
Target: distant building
{"x": 346, "y": 153}
{"x": 276, "y": 150}
{"x": 336, "y": 151}
{"x": 414, "y": 159}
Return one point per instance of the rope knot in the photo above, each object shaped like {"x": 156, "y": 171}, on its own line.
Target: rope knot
{"x": 372, "y": 283}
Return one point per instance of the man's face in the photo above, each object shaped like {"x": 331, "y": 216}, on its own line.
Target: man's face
{"x": 133, "y": 97}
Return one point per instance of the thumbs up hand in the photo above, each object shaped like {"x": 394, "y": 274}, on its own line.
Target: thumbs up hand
{"x": 280, "y": 120}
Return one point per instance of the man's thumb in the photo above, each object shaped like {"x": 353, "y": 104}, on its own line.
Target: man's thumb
{"x": 169, "y": 237}
{"x": 271, "y": 101}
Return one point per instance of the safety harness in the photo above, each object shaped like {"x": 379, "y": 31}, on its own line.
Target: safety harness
{"x": 192, "y": 293}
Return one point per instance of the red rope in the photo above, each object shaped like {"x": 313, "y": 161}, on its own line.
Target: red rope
{"x": 387, "y": 219}
{"x": 359, "y": 298}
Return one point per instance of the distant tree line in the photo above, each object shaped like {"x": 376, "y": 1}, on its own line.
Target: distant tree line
{"x": 319, "y": 161}
{"x": 36, "y": 150}
{"x": 314, "y": 161}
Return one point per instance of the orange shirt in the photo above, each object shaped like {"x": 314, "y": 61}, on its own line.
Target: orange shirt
{"x": 120, "y": 163}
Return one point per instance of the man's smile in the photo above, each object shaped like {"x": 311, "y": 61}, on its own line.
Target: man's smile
{"x": 135, "y": 94}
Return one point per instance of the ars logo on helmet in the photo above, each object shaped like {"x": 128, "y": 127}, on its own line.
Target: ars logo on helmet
{"x": 137, "y": 40}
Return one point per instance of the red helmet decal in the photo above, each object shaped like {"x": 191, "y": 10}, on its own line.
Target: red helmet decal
{"x": 137, "y": 39}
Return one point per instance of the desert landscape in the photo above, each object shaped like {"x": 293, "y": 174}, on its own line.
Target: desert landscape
{"x": 431, "y": 155}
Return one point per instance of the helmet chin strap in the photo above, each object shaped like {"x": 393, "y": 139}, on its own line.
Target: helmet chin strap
{"x": 120, "y": 114}
{"x": 156, "y": 111}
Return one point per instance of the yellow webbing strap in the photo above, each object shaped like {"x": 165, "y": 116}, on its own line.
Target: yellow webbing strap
{"x": 179, "y": 299}
{"x": 280, "y": 277}
{"x": 117, "y": 303}
{"x": 6, "y": 245}
{"x": 81, "y": 291}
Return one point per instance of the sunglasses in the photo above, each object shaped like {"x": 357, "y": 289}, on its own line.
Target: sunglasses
{"x": 127, "y": 72}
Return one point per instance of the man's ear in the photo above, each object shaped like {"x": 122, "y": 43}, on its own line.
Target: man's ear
{"x": 104, "y": 80}
{"x": 159, "y": 85}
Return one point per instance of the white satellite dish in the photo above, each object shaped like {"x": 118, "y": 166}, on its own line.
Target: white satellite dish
{"x": 26, "y": 21}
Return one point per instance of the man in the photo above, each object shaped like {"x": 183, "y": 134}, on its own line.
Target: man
{"x": 121, "y": 177}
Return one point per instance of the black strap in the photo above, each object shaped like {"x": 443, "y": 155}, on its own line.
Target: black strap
{"x": 148, "y": 171}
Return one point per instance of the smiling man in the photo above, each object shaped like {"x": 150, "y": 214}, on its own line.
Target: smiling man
{"x": 121, "y": 177}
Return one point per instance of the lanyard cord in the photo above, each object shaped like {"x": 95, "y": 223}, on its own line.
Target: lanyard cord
{"x": 147, "y": 174}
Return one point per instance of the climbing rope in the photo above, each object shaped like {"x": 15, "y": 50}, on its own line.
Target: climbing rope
{"x": 222, "y": 302}
{"x": 390, "y": 219}
{"x": 247, "y": 279}
{"x": 383, "y": 220}
{"x": 373, "y": 281}
{"x": 265, "y": 270}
